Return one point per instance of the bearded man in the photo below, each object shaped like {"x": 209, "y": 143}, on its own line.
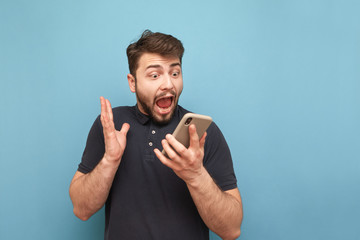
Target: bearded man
{"x": 148, "y": 195}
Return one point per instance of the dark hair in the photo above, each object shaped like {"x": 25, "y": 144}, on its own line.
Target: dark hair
{"x": 149, "y": 42}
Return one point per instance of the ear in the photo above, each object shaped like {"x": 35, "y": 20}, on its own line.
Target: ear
{"x": 131, "y": 80}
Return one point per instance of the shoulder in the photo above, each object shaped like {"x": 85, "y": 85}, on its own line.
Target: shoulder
{"x": 124, "y": 114}
{"x": 182, "y": 111}
{"x": 214, "y": 130}
{"x": 215, "y": 140}
{"x": 124, "y": 110}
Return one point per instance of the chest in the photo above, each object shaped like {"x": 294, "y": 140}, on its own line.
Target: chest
{"x": 140, "y": 168}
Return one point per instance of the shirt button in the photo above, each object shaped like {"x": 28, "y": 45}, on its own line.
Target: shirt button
{"x": 153, "y": 132}
{"x": 150, "y": 144}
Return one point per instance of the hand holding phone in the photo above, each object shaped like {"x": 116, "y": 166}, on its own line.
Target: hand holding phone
{"x": 181, "y": 133}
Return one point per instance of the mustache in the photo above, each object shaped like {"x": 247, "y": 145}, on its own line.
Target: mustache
{"x": 172, "y": 92}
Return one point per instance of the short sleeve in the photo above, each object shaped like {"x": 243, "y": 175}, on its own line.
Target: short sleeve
{"x": 94, "y": 149}
{"x": 217, "y": 159}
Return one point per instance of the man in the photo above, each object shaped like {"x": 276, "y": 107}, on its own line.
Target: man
{"x": 148, "y": 195}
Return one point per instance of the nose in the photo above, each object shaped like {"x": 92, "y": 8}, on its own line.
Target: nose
{"x": 167, "y": 82}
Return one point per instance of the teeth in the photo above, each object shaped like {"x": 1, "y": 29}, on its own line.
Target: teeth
{"x": 165, "y": 108}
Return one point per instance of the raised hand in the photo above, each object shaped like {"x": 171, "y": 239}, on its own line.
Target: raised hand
{"x": 115, "y": 141}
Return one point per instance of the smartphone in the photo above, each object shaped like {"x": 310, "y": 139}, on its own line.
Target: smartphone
{"x": 181, "y": 133}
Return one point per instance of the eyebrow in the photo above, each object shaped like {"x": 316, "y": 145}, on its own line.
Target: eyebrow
{"x": 175, "y": 64}
{"x": 159, "y": 66}
{"x": 153, "y": 66}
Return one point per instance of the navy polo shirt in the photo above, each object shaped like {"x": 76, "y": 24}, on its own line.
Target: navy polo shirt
{"x": 148, "y": 200}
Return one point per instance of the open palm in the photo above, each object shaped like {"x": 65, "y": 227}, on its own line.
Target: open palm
{"x": 115, "y": 141}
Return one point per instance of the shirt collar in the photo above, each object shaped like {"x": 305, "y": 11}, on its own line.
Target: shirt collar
{"x": 142, "y": 118}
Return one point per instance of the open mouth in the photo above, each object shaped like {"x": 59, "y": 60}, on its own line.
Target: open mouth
{"x": 164, "y": 104}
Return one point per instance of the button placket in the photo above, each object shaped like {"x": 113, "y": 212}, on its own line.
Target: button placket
{"x": 152, "y": 136}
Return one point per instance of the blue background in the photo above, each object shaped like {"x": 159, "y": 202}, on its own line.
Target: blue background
{"x": 280, "y": 78}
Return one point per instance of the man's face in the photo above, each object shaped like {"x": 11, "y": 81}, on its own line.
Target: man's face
{"x": 158, "y": 86}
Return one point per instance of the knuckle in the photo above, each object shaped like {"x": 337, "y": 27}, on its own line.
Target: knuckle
{"x": 182, "y": 151}
{"x": 172, "y": 155}
{"x": 191, "y": 162}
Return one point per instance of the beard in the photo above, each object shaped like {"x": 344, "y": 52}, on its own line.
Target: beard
{"x": 148, "y": 107}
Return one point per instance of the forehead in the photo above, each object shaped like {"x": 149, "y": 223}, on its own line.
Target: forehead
{"x": 149, "y": 59}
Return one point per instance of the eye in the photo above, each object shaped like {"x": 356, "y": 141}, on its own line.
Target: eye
{"x": 154, "y": 76}
{"x": 175, "y": 74}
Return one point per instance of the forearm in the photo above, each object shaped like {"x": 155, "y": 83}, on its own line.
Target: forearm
{"x": 89, "y": 192}
{"x": 221, "y": 211}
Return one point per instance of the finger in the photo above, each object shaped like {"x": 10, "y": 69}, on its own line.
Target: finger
{"x": 194, "y": 138}
{"x": 175, "y": 144}
{"x": 109, "y": 110}
{"x": 202, "y": 140}
{"x": 172, "y": 154}
{"x": 104, "y": 117}
{"x": 125, "y": 128}
{"x": 103, "y": 106}
{"x": 107, "y": 123}
{"x": 167, "y": 162}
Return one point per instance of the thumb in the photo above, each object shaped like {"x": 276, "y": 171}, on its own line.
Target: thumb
{"x": 124, "y": 129}
{"x": 202, "y": 140}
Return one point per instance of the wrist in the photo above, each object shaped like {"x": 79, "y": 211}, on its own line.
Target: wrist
{"x": 111, "y": 162}
{"x": 200, "y": 180}
{"x": 105, "y": 169}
